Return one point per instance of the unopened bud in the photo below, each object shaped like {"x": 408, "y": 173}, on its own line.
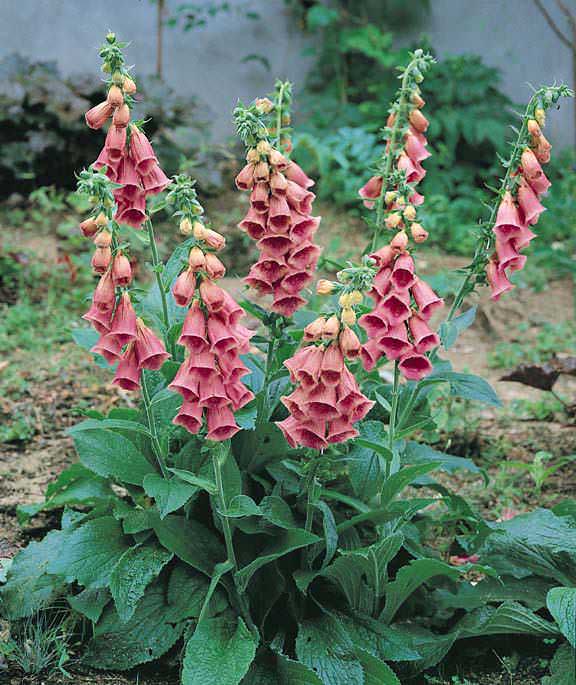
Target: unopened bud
{"x": 252, "y": 156}
{"x": 117, "y": 78}
{"x": 185, "y": 227}
{"x": 198, "y": 230}
{"x": 263, "y": 147}
{"x": 540, "y": 116}
{"x": 401, "y": 201}
{"x": 115, "y": 97}
{"x": 121, "y": 116}
{"x": 313, "y": 331}
{"x": 393, "y": 220}
{"x": 534, "y": 128}
{"x": 324, "y": 287}
{"x": 196, "y": 259}
{"x": 261, "y": 172}
{"x": 344, "y": 300}
{"x": 213, "y": 238}
{"x": 278, "y": 160}
{"x": 417, "y": 100}
{"x": 356, "y": 297}
{"x": 214, "y": 267}
{"x": 389, "y": 197}
{"x": 331, "y": 328}
{"x": 101, "y": 219}
{"x": 103, "y": 239}
{"x": 419, "y": 234}
{"x": 88, "y": 227}
{"x": 399, "y": 242}
{"x": 128, "y": 86}
{"x": 101, "y": 259}
{"x": 409, "y": 213}
{"x": 264, "y": 105}
{"x": 110, "y": 37}
{"x": 287, "y": 144}
{"x": 121, "y": 270}
{"x": 286, "y": 119}
{"x": 348, "y": 316}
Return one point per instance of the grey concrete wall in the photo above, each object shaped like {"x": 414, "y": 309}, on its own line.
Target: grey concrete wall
{"x": 509, "y": 34}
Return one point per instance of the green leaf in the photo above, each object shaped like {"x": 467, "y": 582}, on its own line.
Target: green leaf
{"x": 189, "y": 541}
{"x": 366, "y": 468}
{"x": 29, "y": 586}
{"x": 187, "y": 590}
{"x": 324, "y": 646}
{"x": 561, "y": 603}
{"x": 151, "y": 632}
{"x": 376, "y": 672}
{"x": 382, "y": 641}
{"x": 450, "y": 330}
{"x": 284, "y": 544}
{"x": 90, "y": 603}
{"x": 110, "y": 454}
{"x": 188, "y": 477}
{"x": 320, "y": 17}
{"x": 169, "y": 495}
{"x": 509, "y": 618}
{"x": 91, "y": 552}
{"x": 398, "y": 481}
{"x": 220, "y": 651}
{"x": 417, "y": 453}
{"x": 408, "y": 579}
{"x": 330, "y": 531}
{"x": 255, "y": 449}
{"x": 135, "y": 570}
{"x": 469, "y": 387}
{"x": 295, "y": 673}
{"x": 562, "y": 667}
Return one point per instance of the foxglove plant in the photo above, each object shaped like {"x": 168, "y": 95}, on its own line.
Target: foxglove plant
{"x": 250, "y": 508}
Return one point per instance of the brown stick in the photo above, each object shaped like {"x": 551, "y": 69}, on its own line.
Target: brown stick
{"x": 159, "y": 38}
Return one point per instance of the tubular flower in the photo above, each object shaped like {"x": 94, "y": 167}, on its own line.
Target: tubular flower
{"x": 519, "y": 209}
{"x": 397, "y": 327}
{"x": 280, "y": 220}
{"x": 210, "y": 378}
{"x": 326, "y": 402}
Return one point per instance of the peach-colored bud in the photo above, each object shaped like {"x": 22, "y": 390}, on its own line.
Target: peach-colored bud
{"x": 278, "y": 160}
{"x": 417, "y": 100}
{"x": 393, "y": 220}
{"x": 399, "y": 242}
{"x": 540, "y": 116}
{"x": 418, "y": 120}
{"x": 196, "y": 259}
{"x": 264, "y": 105}
{"x": 313, "y": 331}
{"x": 121, "y": 116}
{"x": 121, "y": 270}
{"x": 331, "y": 328}
{"x": 88, "y": 227}
{"x": 389, "y": 197}
{"x": 533, "y": 128}
{"x": 263, "y": 147}
{"x": 214, "y": 239}
{"x": 252, "y": 156}
{"x": 324, "y": 287}
{"x": 214, "y": 267}
{"x": 419, "y": 234}
{"x": 103, "y": 239}
{"x": 101, "y": 219}
{"x": 198, "y": 230}
{"x": 185, "y": 227}
{"x": 115, "y": 97}
{"x": 401, "y": 201}
{"x": 348, "y": 316}
{"x": 128, "y": 86}
{"x": 101, "y": 259}
{"x": 98, "y": 115}
{"x": 409, "y": 213}
{"x": 349, "y": 343}
{"x": 261, "y": 172}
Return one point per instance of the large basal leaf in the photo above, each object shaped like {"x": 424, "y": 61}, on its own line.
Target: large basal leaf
{"x": 469, "y": 387}
{"x": 220, "y": 651}
{"x": 272, "y": 509}
{"x": 562, "y": 667}
{"x": 324, "y": 646}
{"x": 151, "y": 632}
{"x": 285, "y": 543}
{"x": 509, "y": 618}
{"x": 417, "y": 453}
{"x": 376, "y": 672}
{"x": 382, "y": 641}
{"x": 90, "y": 603}
{"x": 135, "y": 570}
{"x": 366, "y": 468}
{"x": 432, "y": 648}
{"x": 91, "y": 552}
{"x": 561, "y": 603}
{"x": 190, "y": 541}
{"x": 29, "y": 587}
{"x": 111, "y": 454}
{"x": 170, "y": 494}
{"x": 255, "y": 449}
{"x": 408, "y": 579}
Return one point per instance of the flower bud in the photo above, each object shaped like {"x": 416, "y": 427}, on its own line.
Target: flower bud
{"x": 115, "y": 97}
{"x": 401, "y": 201}
{"x": 287, "y": 144}
{"x": 214, "y": 239}
{"x": 393, "y": 220}
{"x": 344, "y": 300}
{"x": 185, "y": 227}
{"x": 101, "y": 219}
{"x": 121, "y": 270}
{"x": 389, "y": 197}
{"x": 534, "y": 128}
{"x": 409, "y": 213}
{"x": 263, "y": 148}
{"x": 261, "y": 172}
{"x": 419, "y": 234}
{"x": 348, "y": 316}
{"x": 117, "y": 78}
{"x": 129, "y": 87}
{"x": 101, "y": 259}
{"x": 121, "y": 116}
{"x": 356, "y": 297}
{"x": 103, "y": 239}
{"x": 198, "y": 230}
{"x": 313, "y": 331}
{"x": 399, "y": 242}
{"x": 111, "y": 37}
{"x": 540, "y": 116}
{"x": 277, "y": 159}
{"x": 324, "y": 287}
{"x": 417, "y": 100}
{"x": 196, "y": 259}
{"x": 331, "y": 328}
{"x": 264, "y": 105}
{"x": 252, "y": 156}
{"x": 214, "y": 267}
{"x": 349, "y": 343}
{"x": 88, "y": 227}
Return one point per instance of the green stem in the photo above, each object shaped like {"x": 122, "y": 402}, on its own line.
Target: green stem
{"x": 223, "y": 507}
{"x": 279, "y": 104}
{"x": 152, "y": 426}
{"x": 157, "y": 264}
{"x": 311, "y": 493}
{"x": 393, "y": 410}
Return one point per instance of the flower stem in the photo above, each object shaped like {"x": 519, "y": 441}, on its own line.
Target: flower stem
{"x": 217, "y": 465}
{"x": 157, "y": 267}
{"x": 152, "y": 426}
{"x": 279, "y": 104}
{"x": 394, "y": 407}
{"x": 310, "y": 486}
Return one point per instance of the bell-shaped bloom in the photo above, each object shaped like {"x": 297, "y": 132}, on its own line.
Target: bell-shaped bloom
{"x": 321, "y": 403}
{"x": 305, "y": 255}
{"x": 212, "y": 392}
{"x": 395, "y": 308}
{"x": 213, "y": 296}
{"x": 371, "y": 190}
{"x": 121, "y": 270}
{"x": 245, "y": 179}
{"x": 394, "y": 343}
{"x": 524, "y": 239}
{"x": 279, "y": 214}
{"x": 299, "y": 198}
{"x": 424, "y": 338}
{"x": 384, "y": 256}
{"x": 203, "y": 365}
{"x": 127, "y": 374}
{"x": 108, "y": 347}
{"x": 89, "y": 227}
{"x": 294, "y": 173}
{"x": 532, "y": 172}
{"x": 221, "y": 423}
{"x": 341, "y": 430}
{"x": 414, "y": 171}
{"x": 305, "y": 365}
{"x": 426, "y": 299}
{"x": 98, "y": 318}
{"x": 99, "y": 115}
{"x": 418, "y": 121}
{"x": 415, "y": 366}
{"x": 213, "y": 238}
{"x": 508, "y": 256}
{"x": 349, "y": 343}
{"x": 399, "y": 242}
{"x": 312, "y": 434}
{"x": 123, "y": 326}
{"x": 133, "y": 211}
{"x": 214, "y": 267}
{"x": 149, "y": 348}
{"x": 230, "y": 312}
{"x": 529, "y": 203}
{"x": 194, "y": 336}
{"x": 184, "y": 287}
{"x": 189, "y": 417}
{"x": 121, "y": 116}
{"x": 332, "y": 365}
{"x": 289, "y": 428}
{"x": 415, "y": 147}
{"x": 278, "y": 184}
{"x": 259, "y": 198}
{"x": 238, "y": 394}
{"x": 142, "y": 152}
{"x": 261, "y": 172}
{"x": 101, "y": 259}
{"x": 116, "y": 142}
{"x": 104, "y": 160}
{"x": 254, "y": 223}
{"x": 418, "y": 232}
{"x": 220, "y": 336}
{"x": 370, "y": 354}
{"x": 499, "y": 283}
{"x": 232, "y": 368}
{"x": 104, "y": 297}
{"x": 187, "y": 383}
{"x": 275, "y": 244}
{"x": 286, "y": 304}
{"x": 375, "y": 323}
{"x": 303, "y": 227}
{"x": 403, "y": 272}
{"x": 381, "y": 285}
{"x": 295, "y": 281}
{"x": 155, "y": 181}
{"x": 508, "y": 223}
